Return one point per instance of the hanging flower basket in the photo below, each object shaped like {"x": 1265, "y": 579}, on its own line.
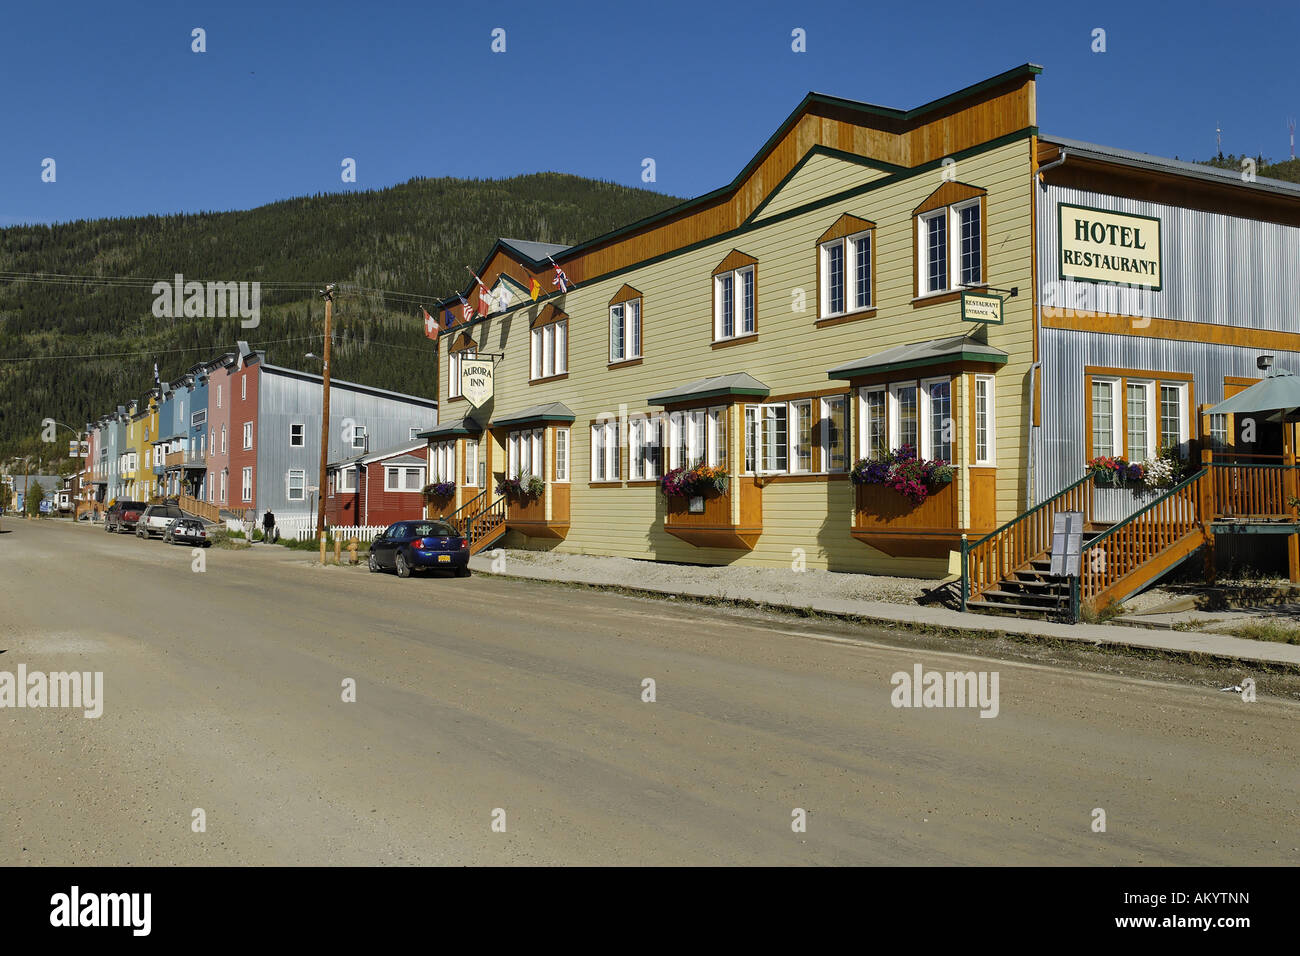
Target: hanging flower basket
{"x": 1115, "y": 471}
{"x": 901, "y": 470}
{"x": 693, "y": 482}
{"x": 440, "y": 489}
{"x": 525, "y": 486}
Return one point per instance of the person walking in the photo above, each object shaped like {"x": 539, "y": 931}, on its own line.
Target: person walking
{"x": 268, "y": 525}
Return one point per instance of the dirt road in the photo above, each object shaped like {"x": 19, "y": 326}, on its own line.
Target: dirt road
{"x": 484, "y": 699}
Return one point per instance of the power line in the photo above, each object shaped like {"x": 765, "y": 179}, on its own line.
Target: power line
{"x": 149, "y": 352}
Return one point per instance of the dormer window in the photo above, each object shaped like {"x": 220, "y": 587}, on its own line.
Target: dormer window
{"x": 949, "y": 232}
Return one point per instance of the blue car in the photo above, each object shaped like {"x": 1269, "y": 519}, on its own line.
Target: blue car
{"x": 418, "y": 545}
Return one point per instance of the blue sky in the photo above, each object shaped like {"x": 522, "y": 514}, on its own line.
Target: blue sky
{"x": 138, "y": 123}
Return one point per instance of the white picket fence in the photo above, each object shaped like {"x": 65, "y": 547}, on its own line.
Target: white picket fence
{"x": 304, "y": 529}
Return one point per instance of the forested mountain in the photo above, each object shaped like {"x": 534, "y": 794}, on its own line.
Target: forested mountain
{"x": 414, "y": 238}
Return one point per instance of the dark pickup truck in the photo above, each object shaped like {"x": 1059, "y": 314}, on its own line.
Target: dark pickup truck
{"x": 123, "y": 515}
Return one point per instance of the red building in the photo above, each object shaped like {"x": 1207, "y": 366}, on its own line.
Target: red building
{"x": 379, "y": 487}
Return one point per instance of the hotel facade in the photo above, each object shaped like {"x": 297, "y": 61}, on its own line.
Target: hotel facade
{"x": 811, "y": 314}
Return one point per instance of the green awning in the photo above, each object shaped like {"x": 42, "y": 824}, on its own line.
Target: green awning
{"x": 550, "y": 412}
{"x": 736, "y": 384}
{"x": 957, "y": 348}
{"x": 1279, "y": 394}
{"x": 452, "y": 429}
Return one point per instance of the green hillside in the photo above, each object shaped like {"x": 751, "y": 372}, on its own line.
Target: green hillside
{"x": 414, "y": 238}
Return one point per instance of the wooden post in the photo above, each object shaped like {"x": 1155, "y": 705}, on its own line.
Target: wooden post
{"x": 1290, "y": 489}
{"x": 1207, "y": 506}
{"x": 338, "y": 550}
{"x": 324, "y": 421}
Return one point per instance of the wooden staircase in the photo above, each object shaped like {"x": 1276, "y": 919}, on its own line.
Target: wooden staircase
{"x": 1009, "y": 570}
{"x": 481, "y": 520}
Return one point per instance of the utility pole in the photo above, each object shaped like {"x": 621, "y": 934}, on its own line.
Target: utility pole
{"x": 328, "y": 295}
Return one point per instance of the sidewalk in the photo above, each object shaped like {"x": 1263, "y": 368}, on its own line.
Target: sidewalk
{"x": 614, "y": 572}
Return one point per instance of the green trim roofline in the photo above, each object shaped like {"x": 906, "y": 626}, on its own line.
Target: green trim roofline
{"x": 1024, "y": 70}
{"x": 746, "y": 227}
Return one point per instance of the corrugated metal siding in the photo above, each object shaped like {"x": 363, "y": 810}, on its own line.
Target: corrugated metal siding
{"x": 284, "y": 400}
{"x": 1066, "y": 354}
{"x": 1219, "y": 269}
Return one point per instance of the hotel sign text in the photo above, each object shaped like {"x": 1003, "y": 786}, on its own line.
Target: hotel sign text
{"x": 1102, "y": 246}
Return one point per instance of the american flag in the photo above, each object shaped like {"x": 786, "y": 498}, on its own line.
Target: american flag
{"x": 560, "y": 279}
{"x": 468, "y": 309}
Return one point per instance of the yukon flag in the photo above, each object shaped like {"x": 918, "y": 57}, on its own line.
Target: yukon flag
{"x": 503, "y": 295}
{"x": 430, "y": 325}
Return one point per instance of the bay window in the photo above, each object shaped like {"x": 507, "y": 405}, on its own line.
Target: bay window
{"x": 526, "y": 454}
{"x": 443, "y": 459}
{"x": 984, "y": 424}
{"x": 471, "y": 462}
{"x": 562, "y": 454}
{"x": 917, "y": 414}
{"x": 697, "y": 436}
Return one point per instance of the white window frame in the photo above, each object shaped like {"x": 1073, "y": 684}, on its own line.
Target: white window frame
{"x": 952, "y": 248}
{"x": 471, "y": 462}
{"x": 1117, "y": 423}
{"x": 359, "y": 436}
{"x": 403, "y": 483}
{"x": 630, "y": 330}
{"x": 248, "y": 436}
{"x": 562, "y": 439}
{"x": 1151, "y": 425}
{"x": 795, "y": 448}
{"x": 443, "y": 459}
{"x": 824, "y": 434}
{"x": 925, "y": 423}
{"x": 345, "y": 479}
{"x": 302, "y": 435}
{"x": 605, "y": 452}
{"x": 246, "y": 484}
{"x": 989, "y": 413}
{"x": 548, "y": 348}
{"x": 413, "y": 432}
{"x": 894, "y": 416}
{"x": 219, "y": 389}
{"x": 453, "y": 370}
{"x": 738, "y": 328}
{"x": 224, "y": 476}
{"x": 243, "y": 388}
{"x": 1184, "y": 415}
{"x": 850, "y": 246}
{"x": 288, "y": 485}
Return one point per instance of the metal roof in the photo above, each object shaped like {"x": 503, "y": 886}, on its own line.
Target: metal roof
{"x": 1128, "y": 157}
{"x": 550, "y": 412}
{"x": 366, "y": 457}
{"x": 716, "y": 386}
{"x": 957, "y": 348}
{"x": 537, "y": 251}
{"x": 460, "y": 426}
{"x": 353, "y": 386}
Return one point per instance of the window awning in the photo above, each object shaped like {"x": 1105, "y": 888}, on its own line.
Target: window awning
{"x": 453, "y": 429}
{"x": 958, "y": 348}
{"x": 1279, "y": 393}
{"x": 718, "y": 386}
{"x": 550, "y": 412}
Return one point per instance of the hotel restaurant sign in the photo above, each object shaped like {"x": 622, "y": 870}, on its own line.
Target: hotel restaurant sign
{"x": 1102, "y": 246}
{"x": 476, "y": 380}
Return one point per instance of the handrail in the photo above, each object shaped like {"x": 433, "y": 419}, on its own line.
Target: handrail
{"x": 455, "y": 515}
{"x": 1140, "y": 544}
{"x": 987, "y": 549}
{"x": 496, "y": 510}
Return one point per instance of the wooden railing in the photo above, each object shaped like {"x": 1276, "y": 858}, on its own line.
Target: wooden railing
{"x": 461, "y": 516}
{"x": 1149, "y": 542}
{"x": 1253, "y": 490}
{"x": 479, "y": 527}
{"x": 996, "y": 555}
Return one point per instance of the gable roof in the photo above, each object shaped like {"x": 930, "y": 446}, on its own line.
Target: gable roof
{"x": 821, "y": 106}
{"x": 533, "y": 251}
